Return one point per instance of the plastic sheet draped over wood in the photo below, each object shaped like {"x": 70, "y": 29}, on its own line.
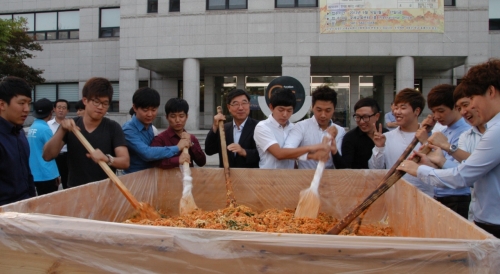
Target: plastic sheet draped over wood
{"x": 79, "y": 230}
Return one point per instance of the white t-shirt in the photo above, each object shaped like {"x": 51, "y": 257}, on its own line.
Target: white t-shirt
{"x": 54, "y": 125}
{"x": 266, "y": 134}
{"x": 395, "y": 144}
{"x": 308, "y": 132}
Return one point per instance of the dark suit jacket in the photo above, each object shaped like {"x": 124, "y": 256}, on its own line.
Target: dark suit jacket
{"x": 212, "y": 145}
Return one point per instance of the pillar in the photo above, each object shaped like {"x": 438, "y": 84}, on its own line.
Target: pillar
{"x": 405, "y": 73}
{"x": 191, "y": 91}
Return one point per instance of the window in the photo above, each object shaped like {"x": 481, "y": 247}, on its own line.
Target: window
{"x": 494, "y": 15}
{"x": 449, "y": 3}
{"x": 296, "y": 3}
{"x": 175, "y": 5}
{"x": 110, "y": 23}
{"x": 67, "y": 91}
{"x": 226, "y": 4}
{"x": 57, "y": 25}
{"x": 115, "y": 100}
{"x": 152, "y": 6}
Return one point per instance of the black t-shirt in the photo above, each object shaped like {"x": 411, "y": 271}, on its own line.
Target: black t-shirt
{"x": 357, "y": 149}
{"x": 106, "y": 137}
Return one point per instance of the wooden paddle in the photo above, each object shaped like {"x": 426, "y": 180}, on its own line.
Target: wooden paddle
{"x": 146, "y": 211}
{"x": 309, "y": 200}
{"x": 389, "y": 180}
{"x": 231, "y": 201}
{"x": 186, "y": 204}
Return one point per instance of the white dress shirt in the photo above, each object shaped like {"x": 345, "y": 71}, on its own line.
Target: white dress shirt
{"x": 54, "y": 125}
{"x": 266, "y": 134}
{"x": 308, "y": 132}
{"x": 395, "y": 144}
{"x": 481, "y": 170}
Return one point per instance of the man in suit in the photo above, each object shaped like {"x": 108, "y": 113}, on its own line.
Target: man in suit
{"x": 241, "y": 149}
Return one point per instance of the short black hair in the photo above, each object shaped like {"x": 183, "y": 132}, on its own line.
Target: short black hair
{"x": 12, "y": 86}
{"x": 441, "y": 95}
{"x": 283, "y": 97}
{"x": 97, "y": 87}
{"x": 235, "y": 93}
{"x": 80, "y": 105}
{"x": 325, "y": 93}
{"x": 175, "y": 105}
{"x": 367, "y": 102}
{"x": 146, "y": 97}
{"x": 61, "y": 100}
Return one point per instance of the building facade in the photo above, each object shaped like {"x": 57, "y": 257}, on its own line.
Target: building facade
{"x": 200, "y": 49}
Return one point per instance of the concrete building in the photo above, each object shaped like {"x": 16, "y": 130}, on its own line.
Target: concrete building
{"x": 202, "y": 48}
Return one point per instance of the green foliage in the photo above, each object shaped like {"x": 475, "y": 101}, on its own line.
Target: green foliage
{"x": 16, "y": 46}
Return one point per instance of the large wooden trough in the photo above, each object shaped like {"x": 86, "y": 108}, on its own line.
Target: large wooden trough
{"x": 80, "y": 229}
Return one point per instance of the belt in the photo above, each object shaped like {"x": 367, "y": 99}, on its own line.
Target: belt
{"x": 453, "y": 199}
{"x": 63, "y": 153}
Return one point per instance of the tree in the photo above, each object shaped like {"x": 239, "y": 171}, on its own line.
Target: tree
{"x": 16, "y": 46}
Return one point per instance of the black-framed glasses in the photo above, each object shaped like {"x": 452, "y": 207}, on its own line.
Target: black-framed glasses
{"x": 237, "y": 104}
{"x": 365, "y": 118}
{"x": 97, "y": 103}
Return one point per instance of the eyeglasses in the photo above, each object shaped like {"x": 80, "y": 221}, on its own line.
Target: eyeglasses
{"x": 365, "y": 118}
{"x": 236, "y": 104}
{"x": 97, "y": 103}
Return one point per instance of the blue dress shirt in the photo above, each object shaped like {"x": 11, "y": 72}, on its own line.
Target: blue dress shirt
{"x": 138, "y": 143}
{"x": 481, "y": 170}
{"x": 453, "y": 133}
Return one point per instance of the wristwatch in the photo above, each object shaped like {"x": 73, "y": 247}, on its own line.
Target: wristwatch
{"x": 453, "y": 148}
{"x": 111, "y": 159}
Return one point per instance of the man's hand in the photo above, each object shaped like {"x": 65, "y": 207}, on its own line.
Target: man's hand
{"x": 186, "y": 136}
{"x": 409, "y": 167}
{"x": 378, "y": 136}
{"x": 97, "y": 156}
{"x": 333, "y": 147}
{"x": 184, "y": 143}
{"x": 332, "y": 130}
{"x": 68, "y": 125}
{"x": 236, "y": 148}
{"x": 438, "y": 139}
{"x": 184, "y": 157}
{"x": 58, "y": 181}
{"x": 217, "y": 118}
{"x": 436, "y": 156}
{"x": 429, "y": 122}
{"x": 422, "y": 135}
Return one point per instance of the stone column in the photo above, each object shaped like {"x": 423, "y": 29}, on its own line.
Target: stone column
{"x": 240, "y": 81}
{"x": 209, "y": 101}
{"x": 353, "y": 98}
{"x": 129, "y": 82}
{"x": 191, "y": 91}
{"x": 405, "y": 73}
{"x": 298, "y": 67}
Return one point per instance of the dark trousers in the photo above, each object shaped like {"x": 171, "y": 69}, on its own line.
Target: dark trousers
{"x": 62, "y": 166}
{"x": 460, "y": 204}
{"x": 493, "y": 229}
{"x": 46, "y": 187}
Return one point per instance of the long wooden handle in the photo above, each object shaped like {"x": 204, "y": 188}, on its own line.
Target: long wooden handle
{"x": 185, "y": 164}
{"x": 389, "y": 180}
{"x": 133, "y": 201}
{"x": 223, "y": 148}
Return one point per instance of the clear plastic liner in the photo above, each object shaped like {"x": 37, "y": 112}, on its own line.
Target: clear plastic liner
{"x": 81, "y": 229}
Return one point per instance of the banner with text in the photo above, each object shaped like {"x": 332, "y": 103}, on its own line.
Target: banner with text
{"x": 337, "y": 16}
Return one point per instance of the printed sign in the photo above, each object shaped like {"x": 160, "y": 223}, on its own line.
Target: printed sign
{"x": 337, "y": 16}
